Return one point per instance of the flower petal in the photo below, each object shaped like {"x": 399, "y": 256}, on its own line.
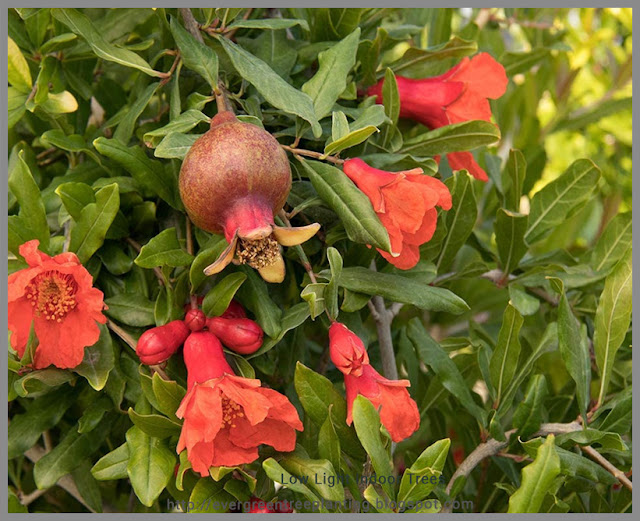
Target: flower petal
{"x": 295, "y": 236}
{"x": 465, "y": 161}
{"x": 274, "y": 272}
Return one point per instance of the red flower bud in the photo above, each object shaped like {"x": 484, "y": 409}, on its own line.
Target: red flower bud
{"x": 157, "y": 344}
{"x": 195, "y": 319}
{"x": 235, "y": 310}
{"x": 242, "y": 335}
{"x": 204, "y": 358}
{"x": 346, "y": 349}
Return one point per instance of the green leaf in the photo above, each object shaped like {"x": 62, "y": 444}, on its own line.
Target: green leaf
{"x": 351, "y": 205}
{"x": 398, "y": 288}
{"x": 150, "y": 465}
{"x": 350, "y": 140}
{"x": 32, "y": 218}
{"x": 331, "y": 79}
{"x": 61, "y": 41}
{"x": 196, "y": 55}
{"x": 512, "y": 179}
{"x": 75, "y": 197}
{"x": 72, "y": 143}
{"x": 60, "y": 103}
{"x": 183, "y": 123}
{"x": 87, "y": 485}
{"x": 391, "y": 96}
{"x": 278, "y": 474}
{"x": 434, "y": 356}
{"x": 19, "y": 75}
{"x": 126, "y": 126}
{"x": 15, "y": 105}
{"x": 82, "y": 26}
{"x": 95, "y": 219}
{"x": 320, "y": 399}
{"x": 132, "y": 309}
{"x": 112, "y": 465}
{"x": 148, "y": 173}
{"x": 612, "y": 244}
{"x": 537, "y": 479}
{"x": 319, "y": 473}
{"x": 42, "y": 414}
{"x": 38, "y": 383}
{"x": 459, "y": 220}
{"x": 525, "y": 304}
{"x": 313, "y": 294}
{"x": 339, "y": 125}
{"x": 367, "y": 423}
{"x": 529, "y": 413}
{"x": 331, "y": 290}
{"x": 155, "y": 425}
{"x": 175, "y": 145}
{"x": 329, "y": 443}
{"x": 14, "y": 505}
{"x": 168, "y": 395}
{"x": 98, "y": 360}
{"x": 453, "y": 138}
{"x": 510, "y": 228}
{"x": 69, "y": 454}
{"x": 163, "y": 250}
{"x": 291, "y": 319}
{"x": 612, "y": 318}
{"x": 574, "y": 348}
{"x": 504, "y": 359}
{"x": 255, "y": 296}
{"x": 271, "y": 23}
{"x": 420, "y": 63}
{"x": 217, "y": 300}
{"x": 93, "y": 413}
{"x": 418, "y": 480}
{"x": 210, "y": 252}
{"x": 559, "y": 199}
{"x": 519, "y": 62}
{"x": 580, "y": 119}
{"x": 275, "y": 90}
{"x": 208, "y": 497}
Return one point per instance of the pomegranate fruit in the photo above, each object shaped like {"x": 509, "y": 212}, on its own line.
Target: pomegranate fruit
{"x": 233, "y": 180}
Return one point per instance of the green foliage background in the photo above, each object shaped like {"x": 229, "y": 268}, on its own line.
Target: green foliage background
{"x": 516, "y": 316}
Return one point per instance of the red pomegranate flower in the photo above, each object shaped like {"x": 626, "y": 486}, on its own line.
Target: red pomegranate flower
{"x": 226, "y": 417}
{"x": 57, "y": 294}
{"x": 460, "y": 94}
{"x": 398, "y": 411}
{"x": 406, "y": 204}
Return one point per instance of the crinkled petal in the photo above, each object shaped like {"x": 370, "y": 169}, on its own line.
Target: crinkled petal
{"x": 19, "y": 317}
{"x": 228, "y": 454}
{"x": 484, "y": 75}
{"x": 465, "y": 161}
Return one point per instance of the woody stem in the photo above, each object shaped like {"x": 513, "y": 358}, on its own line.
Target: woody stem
{"x": 311, "y": 153}
{"x": 383, "y": 318}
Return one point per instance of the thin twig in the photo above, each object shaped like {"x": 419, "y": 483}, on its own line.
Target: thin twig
{"x": 607, "y": 465}
{"x": 311, "y": 153}
{"x": 492, "y": 447}
{"x": 383, "y": 319}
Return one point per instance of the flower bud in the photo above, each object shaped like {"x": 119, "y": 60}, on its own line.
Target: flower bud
{"x": 242, "y": 335}
{"x": 195, "y": 319}
{"x": 204, "y": 358}
{"x": 234, "y": 310}
{"x": 157, "y": 344}
{"x": 346, "y": 349}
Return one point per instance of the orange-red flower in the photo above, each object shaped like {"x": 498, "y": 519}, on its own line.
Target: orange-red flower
{"x": 57, "y": 295}
{"x": 398, "y": 411}
{"x": 406, "y": 204}
{"x": 460, "y": 94}
{"x": 227, "y": 417}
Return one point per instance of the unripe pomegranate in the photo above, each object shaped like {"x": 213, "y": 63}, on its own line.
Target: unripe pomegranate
{"x": 195, "y": 319}
{"x": 204, "y": 358}
{"x": 233, "y": 180}
{"x": 157, "y": 344}
{"x": 241, "y": 335}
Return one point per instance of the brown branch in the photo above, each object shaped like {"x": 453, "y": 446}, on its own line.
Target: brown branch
{"x": 607, "y": 465}
{"x": 383, "y": 318}
{"x": 311, "y": 153}
{"x": 190, "y": 23}
{"x": 493, "y": 447}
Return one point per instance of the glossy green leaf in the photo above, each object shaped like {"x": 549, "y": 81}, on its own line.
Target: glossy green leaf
{"x": 132, "y": 309}
{"x": 154, "y": 425}
{"x": 275, "y": 90}
{"x": 519, "y": 62}
{"x": 422, "y": 477}
{"x": 175, "y": 145}
{"x": 420, "y": 63}
{"x": 278, "y": 474}
{"x": 196, "y": 55}
{"x": 292, "y": 318}
{"x": 537, "y": 479}
{"x": 329, "y": 443}
{"x": 150, "y": 465}
{"x": 163, "y": 250}
{"x": 82, "y": 26}
{"x": 367, "y": 424}
{"x": 453, "y": 138}
{"x": 127, "y": 125}
{"x": 183, "y": 123}
{"x": 112, "y": 465}
{"x": 513, "y": 177}
{"x": 19, "y": 75}
{"x": 331, "y": 78}
{"x": 319, "y": 473}
{"x": 612, "y": 244}
{"x": 217, "y": 300}
{"x": 504, "y": 359}
{"x": 510, "y": 229}
{"x": 208, "y": 497}
{"x": 529, "y": 413}
{"x": 255, "y": 296}
{"x": 95, "y": 219}
{"x": 613, "y": 317}
{"x": 557, "y": 200}
{"x": 98, "y": 360}
{"x": 270, "y": 23}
